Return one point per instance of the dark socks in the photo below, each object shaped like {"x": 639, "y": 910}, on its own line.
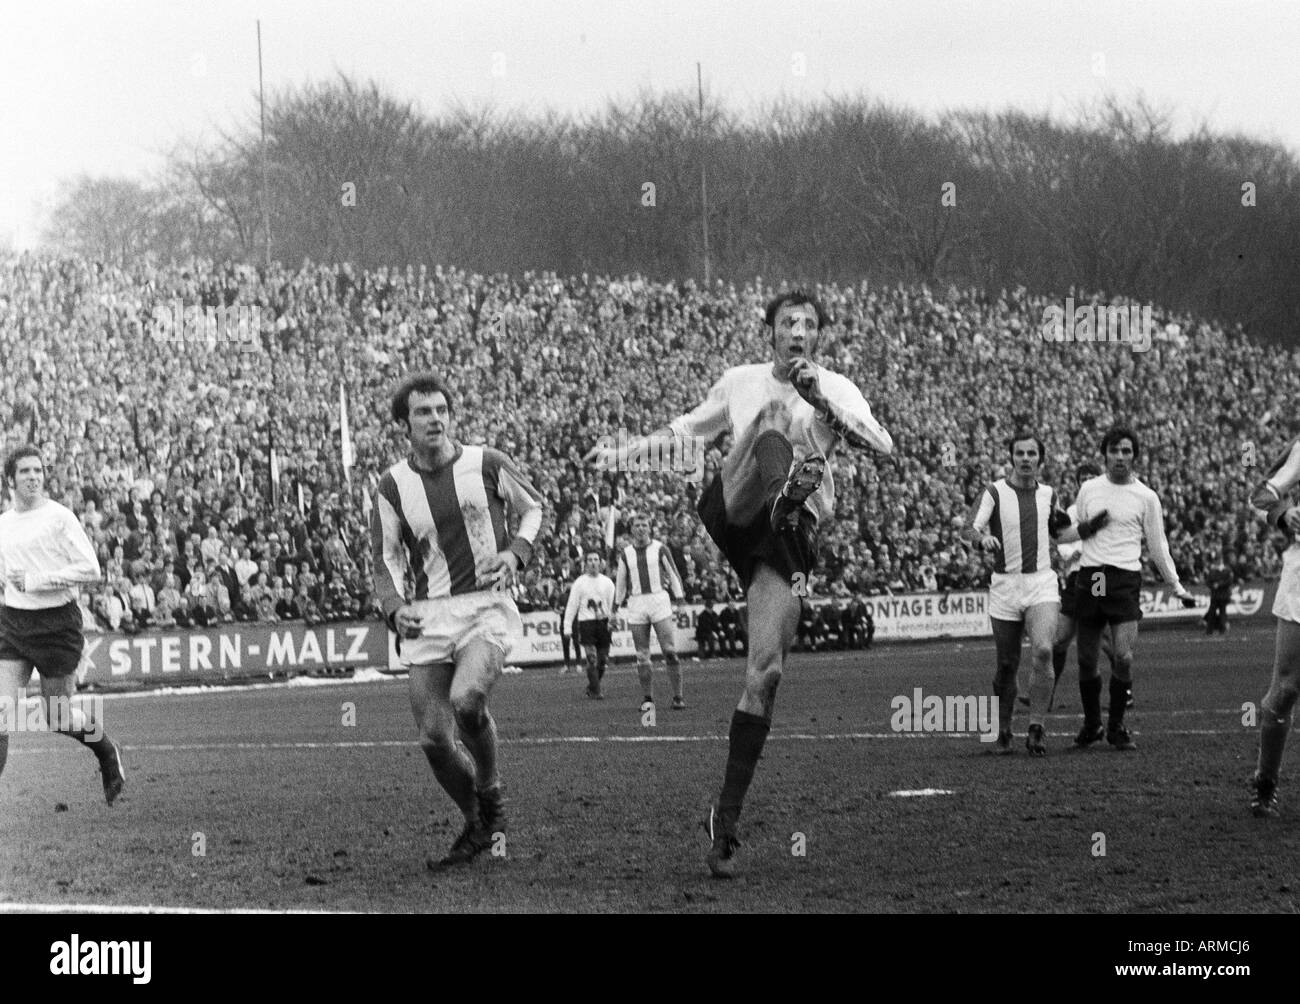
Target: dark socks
{"x": 100, "y": 747}
{"x": 747, "y": 736}
{"x": 1090, "y": 695}
{"x": 1118, "y": 701}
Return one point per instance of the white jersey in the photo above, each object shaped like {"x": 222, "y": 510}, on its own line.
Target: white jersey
{"x": 48, "y": 544}
{"x": 1285, "y": 477}
{"x": 1135, "y": 513}
{"x": 591, "y": 598}
{"x": 749, "y": 400}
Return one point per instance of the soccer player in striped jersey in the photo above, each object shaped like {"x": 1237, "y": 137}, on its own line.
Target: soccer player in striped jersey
{"x": 441, "y": 519}
{"x": 1116, "y": 512}
{"x": 1014, "y": 519}
{"x": 763, "y": 510}
{"x": 648, "y": 580}
{"x": 591, "y": 601}
{"x": 1275, "y": 709}
{"x": 45, "y": 556}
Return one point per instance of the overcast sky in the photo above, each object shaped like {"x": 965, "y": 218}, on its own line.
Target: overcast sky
{"x": 104, "y": 88}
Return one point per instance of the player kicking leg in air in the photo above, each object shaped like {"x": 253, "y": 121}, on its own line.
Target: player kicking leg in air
{"x": 45, "y": 557}
{"x": 649, "y": 580}
{"x": 1014, "y": 519}
{"x": 763, "y": 509}
{"x": 442, "y": 514}
{"x": 1116, "y": 512}
{"x": 1275, "y": 709}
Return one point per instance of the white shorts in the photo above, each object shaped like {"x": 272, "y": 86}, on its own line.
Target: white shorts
{"x": 452, "y": 622}
{"x": 648, "y": 608}
{"x": 1286, "y": 605}
{"x": 1012, "y": 593}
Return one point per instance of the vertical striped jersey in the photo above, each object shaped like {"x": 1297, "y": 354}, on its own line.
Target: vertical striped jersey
{"x": 438, "y": 524}
{"x": 1017, "y": 517}
{"x": 645, "y": 570}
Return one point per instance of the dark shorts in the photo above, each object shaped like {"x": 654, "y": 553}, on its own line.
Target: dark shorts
{"x": 594, "y": 634}
{"x": 1067, "y": 595}
{"x": 49, "y": 639}
{"x": 1122, "y": 598}
{"x": 790, "y": 552}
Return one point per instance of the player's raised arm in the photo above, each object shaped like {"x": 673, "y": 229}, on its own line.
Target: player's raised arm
{"x": 842, "y": 408}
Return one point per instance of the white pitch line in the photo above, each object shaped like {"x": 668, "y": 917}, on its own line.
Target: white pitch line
{"x": 576, "y": 740}
{"x": 110, "y": 908}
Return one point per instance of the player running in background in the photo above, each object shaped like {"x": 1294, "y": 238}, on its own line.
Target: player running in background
{"x": 763, "y": 509}
{"x": 648, "y": 580}
{"x": 1275, "y": 708}
{"x": 45, "y": 556}
{"x": 1116, "y": 512}
{"x": 591, "y": 600}
{"x": 1014, "y": 519}
{"x": 441, "y": 516}
{"x": 1071, "y": 552}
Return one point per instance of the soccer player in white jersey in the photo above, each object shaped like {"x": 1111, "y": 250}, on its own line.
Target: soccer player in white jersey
{"x": 648, "y": 580}
{"x": 441, "y": 517}
{"x": 1071, "y": 552}
{"x": 1275, "y": 708}
{"x": 1014, "y": 518}
{"x": 45, "y": 557}
{"x": 1116, "y": 512}
{"x": 763, "y": 509}
{"x": 591, "y": 601}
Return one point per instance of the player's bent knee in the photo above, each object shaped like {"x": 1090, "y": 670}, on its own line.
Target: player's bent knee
{"x": 437, "y": 744}
{"x": 1280, "y": 701}
{"x": 471, "y": 713}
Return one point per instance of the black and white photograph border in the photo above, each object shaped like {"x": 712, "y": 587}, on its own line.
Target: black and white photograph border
{"x": 951, "y": 341}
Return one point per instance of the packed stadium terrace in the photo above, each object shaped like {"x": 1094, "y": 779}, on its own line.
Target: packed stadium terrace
{"x": 163, "y": 446}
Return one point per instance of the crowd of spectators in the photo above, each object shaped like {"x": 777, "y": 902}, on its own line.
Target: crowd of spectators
{"x": 163, "y": 446}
